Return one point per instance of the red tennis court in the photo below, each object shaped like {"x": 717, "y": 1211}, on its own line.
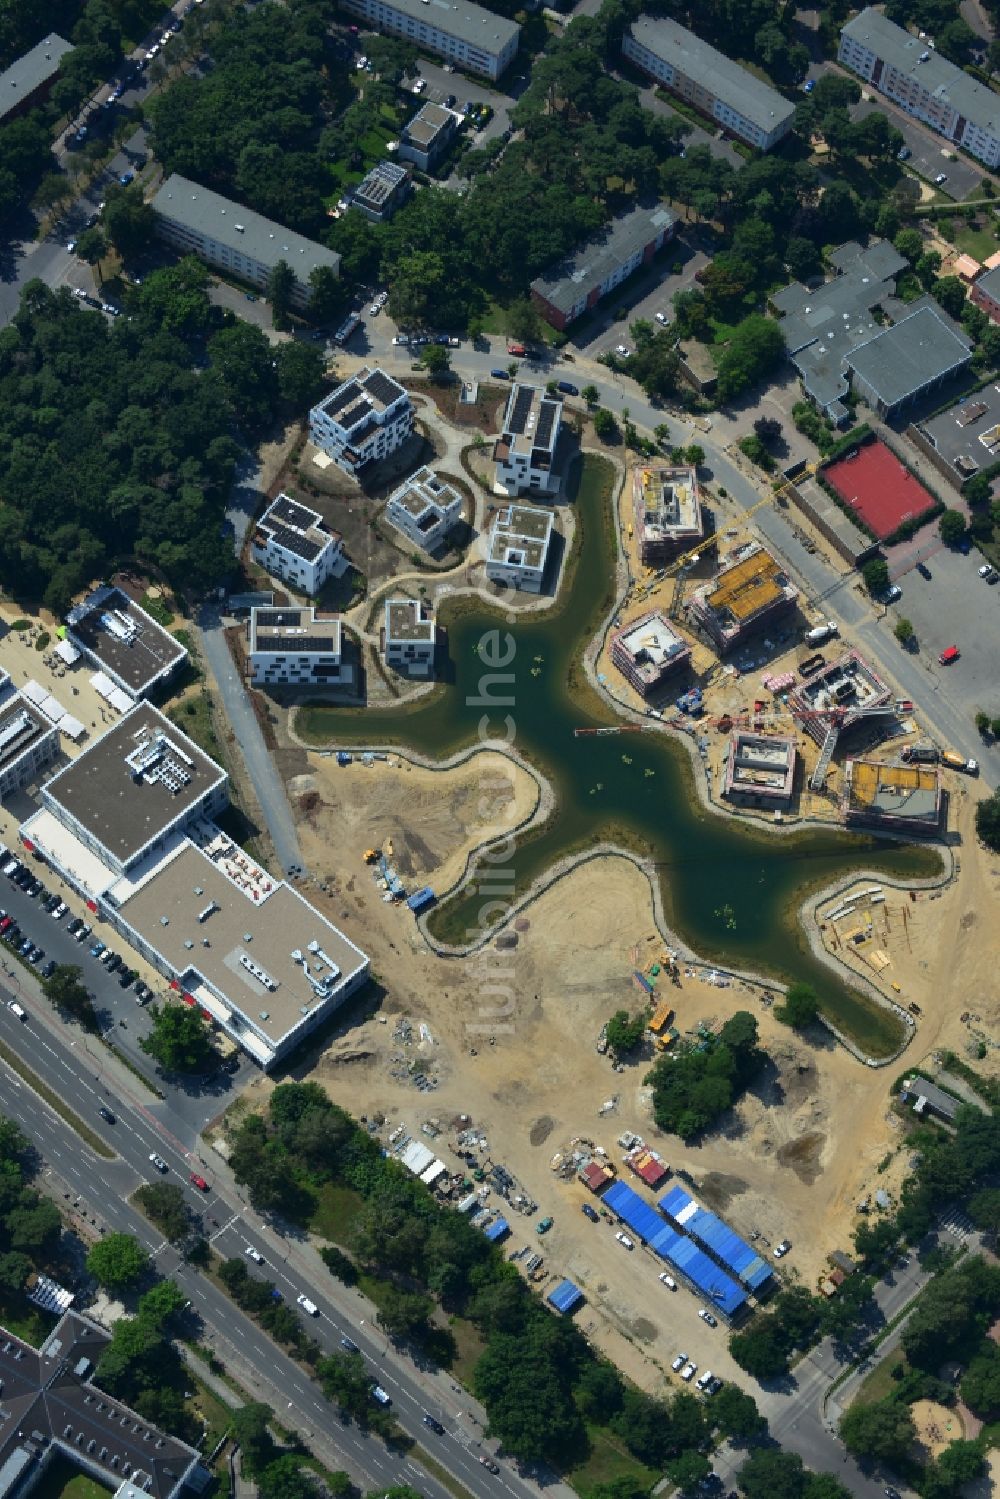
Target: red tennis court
{"x": 875, "y": 485}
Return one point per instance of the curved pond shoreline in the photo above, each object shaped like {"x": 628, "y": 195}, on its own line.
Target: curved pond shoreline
{"x": 757, "y": 878}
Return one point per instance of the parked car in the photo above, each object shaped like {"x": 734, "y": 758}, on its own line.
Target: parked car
{"x": 707, "y": 1317}
{"x": 97, "y": 949}
{"x": 941, "y": 177}
{"x": 309, "y": 1307}
{"x": 588, "y": 1212}
{"x": 488, "y": 1463}
{"x": 780, "y": 1250}
{"x": 809, "y": 85}
{"x": 949, "y": 654}
{"x": 624, "y": 1240}
{"x": 904, "y": 153}
{"x": 82, "y": 933}
{"x": 126, "y": 978}
{"x": 679, "y": 1362}
{"x": 544, "y": 1226}
{"x": 668, "y": 1280}
{"x": 989, "y": 573}
{"x": 198, "y": 1181}
{"x": 623, "y": 351}
{"x": 49, "y": 969}
{"x": 60, "y": 910}
{"x": 379, "y": 1394}
{"x": 517, "y": 350}
{"x": 688, "y": 1372}
{"x": 662, "y": 319}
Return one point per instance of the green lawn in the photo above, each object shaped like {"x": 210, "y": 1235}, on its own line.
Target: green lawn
{"x": 880, "y": 1382}
{"x": 26, "y": 1321}
{"x": 213, "y": 1411}
{"x": 63, "y": 1480}
{"x": 608, "y": 1459}
{"x": 337, "y": 1208}
{"x": 980, "y": 243}
{"x": 468, "y": 1348}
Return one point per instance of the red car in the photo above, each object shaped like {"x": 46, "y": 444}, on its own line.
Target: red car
{"x": 949, "y": 654}
{"x": 199, "y": 1182}
{"x": 518, "y": 350}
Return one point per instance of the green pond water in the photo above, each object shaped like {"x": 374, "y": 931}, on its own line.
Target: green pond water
{"x": 731, "y": 891}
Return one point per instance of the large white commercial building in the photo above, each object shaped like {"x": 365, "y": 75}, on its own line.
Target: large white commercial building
{"x": 28, "y": 742}
{"x": 466, "y": 35}
{"x": 524, "y": 453}
{"x": 924, "y": 84}
{"x": 424, "y": 508}
{"x": 707, "y": 79}
{"x": 294, "y": 543}
{"x": 364, "y": 420}
{"x": 518, "y": 547}
{"x": 130, "y": 825}
{"x": 296, "y": 647}
{"x": 197, "y": 221}
{"x": 124, "y": 642}
{"x": 409, "y": 637}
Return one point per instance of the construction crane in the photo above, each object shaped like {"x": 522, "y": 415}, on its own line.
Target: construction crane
{"x": 679, "y": 566}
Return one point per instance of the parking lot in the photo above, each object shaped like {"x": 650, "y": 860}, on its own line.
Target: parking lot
{"x": 648, "y": 293}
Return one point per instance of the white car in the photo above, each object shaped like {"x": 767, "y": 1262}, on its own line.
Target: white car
{"x": 623, "y": 351}
{"x": 374, "y": 310}
{"x": 707, "y": 1317}
{"x": 941, "y": 177}
{"x": 688, "y": 1372}
{"x": 158, "y": 1162}
{"x": 780, "y": 1250}
{"x": 361, "y": 63}
{"x": 152, "y": 51}
{"x": 661, "y": 317}
{"x": 379, "y": 1394}
{"x": 402, "y": 339}
{"x": 624, "y": 1240}
{"x": 989, "y": 573}
{"x": 59, "y": 911}
{"x": 420, "y": 85}
{"x": 668, "y": 1280}
{"x": 308, "y": 1306}
{"x": 254, "y": 1254}
{"x": 679, "y": 1362}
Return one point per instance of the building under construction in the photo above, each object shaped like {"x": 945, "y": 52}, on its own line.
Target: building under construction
{"x": 667, "y": 507}
{"x": 760, "y": 770}
{"x": 906, "y": 798}
{"x": 839, "y": 694}
{"x": 750, "y": 590}
{"x": 648, "y": 650}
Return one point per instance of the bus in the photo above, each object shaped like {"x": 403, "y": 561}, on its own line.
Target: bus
{"x": 348, "y": 327}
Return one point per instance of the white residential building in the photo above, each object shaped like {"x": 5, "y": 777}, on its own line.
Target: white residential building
{"x": 364, "y": 420}
{"x": 908, "y": 70}
{"x": 28, "y": 742}
{"x": 424, "y": 509}
{"x": 409, "y": 637}
{"x": 524, "y": 453}
{"x": 426, "y": 137}
{"x": 382, "y": 191}
{"x": 469, "y": 37}
{"x": 297, "y": 647}
{"x": 294, "y": 543}
{"x": 197, "y": 221}
{"x": 715, "y": 85}
{"x": 519, "y": 547}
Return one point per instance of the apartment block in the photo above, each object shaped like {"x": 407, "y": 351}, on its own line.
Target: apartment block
{"x": 466, "y": 35}
{"x": 409, "y": 637}
{"x": 382, "y": 191}
{"x": 986, "y": 294}
{"x": 424, "y": 509}
{"x": 234, "y": 239}
{"x": 28, "y": 80}
{"x": 666, "y": 506}
{"x": 427, "y": 137}
{"x": 576, "y": 284}
{"x": 524, "y": 453}
{"x": 296, "y": 647}
{"x": 750, "y": 590}
{"x": 648, "y": 651}
{"x": 924, "y": 84}
{"x": 760, "y": 770}
{"x": 294, "y": 543}
{"x": 28, "y": 742}
{"x": 365, "y": 419}
{"x": 715, "y": 85}
{"x": 519, "y": 547}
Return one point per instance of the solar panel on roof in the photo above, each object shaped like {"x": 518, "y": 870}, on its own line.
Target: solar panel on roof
{"x": 295, "y": 542}
{"x": 358, "y": 412}
{"x": 274, "y": 618}
{"x": 295, "y": 515}
{"x": 382, "y": 387}
{"x": 340, "y": 398}
{"x": 295, "y": 644}
{"x": 522, "y": 406}
{"x": 546, "y": 419}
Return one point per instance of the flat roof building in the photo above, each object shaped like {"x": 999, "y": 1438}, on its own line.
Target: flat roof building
{"x": 524, "y": 453}
{"x": 904, "y": 797}
{"x": 964, "y": 439}
{"x": 28, "y": 742}
{"x": 985, "y": 293}
{"x": 365, "y": 419}
{"x": 908, "y": 70}
{"x": 409, "y": 637}
{"x": 28, "y": 80}
{"x": 52, "y": 1409}
{"x": 903, "y": 362}
{"x": 706, "y": 78}
{"x": 839, "y": 693}
{"x": 578, "y": 282}
{"x": 294, "y": 543}
{"x": 297, "y": 647}
{"x": 750, "y": 590}
{"x": 382, "y": 191}
{"x": 466, "y": 35}
{"x": 666, "y": 505}
{"x": 196, "y": 221}
{"x": 649, "y": 650}
{"x": 122, "y": 640}
{"x": 518, "y": 547}
{"x": 426, "y": 138}
{"x": 424, "y": 509}
{"x": 129, "y": 790}
{"x": 928, "y": 1098}
{"x": 760, "y": 770}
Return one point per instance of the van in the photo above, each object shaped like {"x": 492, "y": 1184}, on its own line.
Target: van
{"x": 308, "y": 1306}
{"x": 16, "y": 1009}
{"x": 704, "y": 1380}
{"x": 566, "y": 388}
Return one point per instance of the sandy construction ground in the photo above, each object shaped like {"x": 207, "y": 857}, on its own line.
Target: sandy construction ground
{"x": 509, "y": 1038}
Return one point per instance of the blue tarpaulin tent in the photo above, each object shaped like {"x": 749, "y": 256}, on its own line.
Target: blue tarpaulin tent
{"x": 565, "y": 1296}
{"x": 497, "y": 1230}
{"x": 718, "y": 1238}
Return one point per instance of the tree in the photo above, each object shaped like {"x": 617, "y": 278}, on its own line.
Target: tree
{"x": 165, "y": 1205}
{"x": 625, "y": 1033}
{"x": 67, "y": 991}
{"x": 960, "y": 1463}
{"x": 978, "y": 490}
{"x": 754, "y": 350}
{"x": 280, "y": 290}
{"x": 988, "y": 821}
{"x": 339, "y": 1264}
{"x": 286, "y": 1478}
{"x": 327, "y": 296}
{"x": 824, "y": 1486}
{"x": 800, "y": 1007}
{"x": 688, "y": 1471}
{"x": 876, "y": 574}
{"x": 523, "y": 321}
{"x": 952, "y": 527}
{"x": 91, "y": 247}
{"x": 33, "y": 1226}
{"x": 242, "y": 357}
{"x": 770, "y": 1473}
{"x": 950, "y": 292}
{"x": 180, "y": 1040}
{"x": 14, "y": 1271}
{"x": 910, "y": 244}
{"x": 736, "y": 1414}
{"x": 251, "y": 1433}
{"x": 981, "y": 1382}
{"x": 160, "y": 1304}
{"x": 436, "y": 360}
{"x": 984, "y": 1209}
{"x": 404, "y": 1314}
{"x": 344, "y": 1379}
{"x": 301, "y": 371}
{"x": 605, "y": 426}
{"x": 117, "y": 1261}
{"x": 129, "y": 221}
{"x": 761, "y": 1350}
{"x": 591, "y": 394}
{"x": 768, "y": 429}
{"x": 884, "y": 1430}
{"x": 904, "y": 631}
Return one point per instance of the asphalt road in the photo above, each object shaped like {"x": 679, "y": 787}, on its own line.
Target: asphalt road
{"x": 73, "y": 1068}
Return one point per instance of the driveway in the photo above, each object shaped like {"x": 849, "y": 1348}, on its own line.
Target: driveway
{"x": 649, "y": 292}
